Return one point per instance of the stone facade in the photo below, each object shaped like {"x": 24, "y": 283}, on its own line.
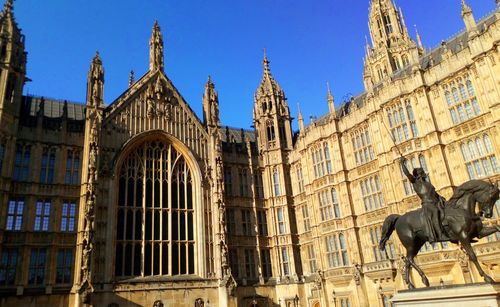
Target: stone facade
{"x": 139, "y": 202}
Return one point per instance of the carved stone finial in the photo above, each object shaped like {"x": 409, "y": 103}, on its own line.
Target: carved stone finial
{"x": 8, "y": 5}
{"x": 266, "y": 62}
{"x": 131, "y": 79}
{"x": 156, "y": 49}
{"x": 95, "y": 82}
{"x": 419, "y": 39}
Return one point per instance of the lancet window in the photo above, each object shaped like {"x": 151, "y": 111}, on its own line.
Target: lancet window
{"x": 155, "y": 216}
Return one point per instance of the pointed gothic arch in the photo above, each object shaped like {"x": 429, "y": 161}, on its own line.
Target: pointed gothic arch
{"x": 158, "y": 210}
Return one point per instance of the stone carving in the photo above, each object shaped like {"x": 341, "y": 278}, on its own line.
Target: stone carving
{"x": 199, "y": 302}
{"x": 156, "y": 49}
{"x": 158, "y": 303}
{"x": 94, "y": 119}
{"x": 318, "y": 282}
{"x": 357, "y": 273}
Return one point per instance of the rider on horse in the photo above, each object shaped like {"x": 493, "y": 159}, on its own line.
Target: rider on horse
{"x": 432, "y": 202}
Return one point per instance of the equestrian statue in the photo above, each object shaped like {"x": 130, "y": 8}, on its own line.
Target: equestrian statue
{"x": 455, "y": 220}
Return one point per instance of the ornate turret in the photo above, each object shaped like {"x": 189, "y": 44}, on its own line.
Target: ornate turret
{"x": 12, "y": 56}
{"x": 393, "y": 47}
{"x": 95, "y": 83}
{"x": 271, "y": 113}
{"x": 156, "y": 49}
{"x": 274, "y": 140}
{"x": 468, "y": 17}
{"x": 210, "y": 105}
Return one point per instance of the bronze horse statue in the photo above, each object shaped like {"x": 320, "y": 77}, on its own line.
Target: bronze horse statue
{"x": 462, "y": 225}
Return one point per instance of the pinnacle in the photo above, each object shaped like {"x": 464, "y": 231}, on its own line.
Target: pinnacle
{"x": 266, "y": 62}
{"x": 97, "y": 57}
{"x": 156, "y": 26}
{"x": 8, "y": 5}
{"x": 209, "y": 83}
{"x": 465, "y": 8}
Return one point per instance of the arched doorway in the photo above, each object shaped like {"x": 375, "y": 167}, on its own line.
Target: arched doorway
{"x": 155, "y": 222}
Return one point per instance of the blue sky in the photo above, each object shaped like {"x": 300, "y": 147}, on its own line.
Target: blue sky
{"x": 308, "y": 43}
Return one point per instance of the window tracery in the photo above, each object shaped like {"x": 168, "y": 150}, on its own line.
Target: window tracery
{"x": 155, "y": 227}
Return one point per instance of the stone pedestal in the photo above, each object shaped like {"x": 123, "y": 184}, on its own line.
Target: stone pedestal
{"x": 471, "y": 295}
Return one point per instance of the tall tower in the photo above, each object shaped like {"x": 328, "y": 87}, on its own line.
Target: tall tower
{"x": 392, "y": 47}
{"x": 271, "y": 114}
{"x": 274, "y": 140}
{"x": 12, "y": 62}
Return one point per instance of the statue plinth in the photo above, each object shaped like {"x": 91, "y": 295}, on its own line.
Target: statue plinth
{"x": 471, "y": 295}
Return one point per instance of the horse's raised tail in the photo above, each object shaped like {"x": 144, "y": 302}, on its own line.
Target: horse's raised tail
{"x": 387, "y": 229}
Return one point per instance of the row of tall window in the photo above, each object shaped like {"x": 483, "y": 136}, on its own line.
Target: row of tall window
{"x": 243, "y": 183}
{"x": 362, "y": 146}
{"x": 246, "y": 222}
{"x": 378, "y": 255}
{"x": 249, "y": 263}
{"x": 11, "y": 261}
{"x": 299, "y": 176}
{"x": 43, "y": 210}
{"x": 479, "y": 157}
{"x": 461, "y": 99}
{"x": 47, "y": 164}
{"x": 328, "y": 204}
{"x": 371, "y": 191}
{"x": 322, "y": 162}
{"x": 336, "y": 250}
{"x": 402, "y": 122}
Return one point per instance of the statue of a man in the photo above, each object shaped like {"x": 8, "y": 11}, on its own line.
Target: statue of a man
{"x": 432, "y": 202}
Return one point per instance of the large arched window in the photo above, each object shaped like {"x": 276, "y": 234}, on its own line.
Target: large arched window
{"x": 155, "y": 228}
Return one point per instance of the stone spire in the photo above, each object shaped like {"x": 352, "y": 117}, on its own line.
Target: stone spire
{"x": 156, "y": 49}
{"x": 403, "y": 23}
{"x": 330, "y": 99}
{"x": 468, "y": 17}
{"x": 419, "y": 39}
{"x": 392, "y": 47}
{"x": 210, "y": 105}
{"x": 300, "y": 119}
{"x": 7, "y": 7}
{"x": 95, "y": 82}
{"x": 268, "y": 85}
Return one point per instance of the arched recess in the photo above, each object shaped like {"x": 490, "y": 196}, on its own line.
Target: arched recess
{"x": 158, "y": 209}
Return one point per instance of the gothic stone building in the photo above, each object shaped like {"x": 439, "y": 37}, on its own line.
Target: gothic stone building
{"x": 139, "y": 202}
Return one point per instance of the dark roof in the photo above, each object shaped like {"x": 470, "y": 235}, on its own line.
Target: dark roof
{"x": 52, "y": 108}
{"x": 236, "y": 135}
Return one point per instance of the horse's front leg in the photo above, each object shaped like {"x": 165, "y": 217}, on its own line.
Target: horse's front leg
{"x": 488, "y": 230}
{"x": 472, "y": 256}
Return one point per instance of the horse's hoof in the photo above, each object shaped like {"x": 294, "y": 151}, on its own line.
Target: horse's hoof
{"x": 411, "y": 287}
{"x": 426, "y": 282}
{"x": 488, "y": 279}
